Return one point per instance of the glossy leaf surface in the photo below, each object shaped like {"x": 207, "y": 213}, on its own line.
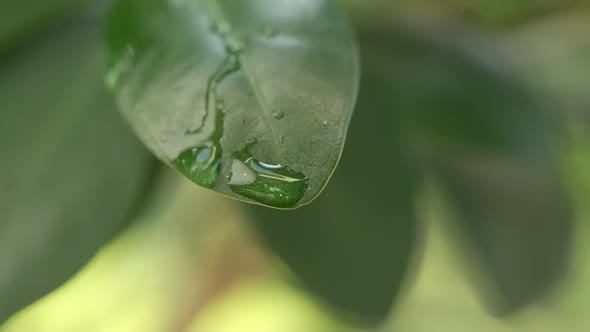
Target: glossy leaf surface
{"x": 249, "y": 98}
{"x": 352, "y": 246}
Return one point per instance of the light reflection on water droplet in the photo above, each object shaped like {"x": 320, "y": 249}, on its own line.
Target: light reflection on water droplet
{"x": 273, "y": 184}
{"x": 241, "y": 174}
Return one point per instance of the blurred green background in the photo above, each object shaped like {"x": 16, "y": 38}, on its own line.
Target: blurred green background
{"x": 461, "y": 202}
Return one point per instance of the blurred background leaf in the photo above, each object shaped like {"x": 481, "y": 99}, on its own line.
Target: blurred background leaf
{"x": 171, "y": 271}
{"x": 20, "y": 20}
{"x": 556, "y": 65}
{"x": 71, "y": 173}
{"x": 520, "y": 221}
{"x": 487, "y": 138}
{"x": 477, "y": 14}
{"x": 352, "y": 247}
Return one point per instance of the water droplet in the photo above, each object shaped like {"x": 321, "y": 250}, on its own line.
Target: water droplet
{"x": 271, "y": 184}
{"x": 325, "y": 122}
{"x": 220, "y": 105}
{"x": 201, "y": 164}
{"x": 223, "y": 28}
{"x": 241, "y": 174}
{"x": 278, "y": 115}
{"x": 234, "y": 45}
{"x": 121, "y": 68}
{"x": 268, "y": 32}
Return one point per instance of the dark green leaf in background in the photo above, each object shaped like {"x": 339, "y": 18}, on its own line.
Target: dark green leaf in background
{"x": 487, "y": 138}
{"x": 22, "y": 18}
{"x": 352, "y": 246}
{"x": 71, "y": 173}
{"x": 251, "y": 98}
{"x": 520, "y": 220}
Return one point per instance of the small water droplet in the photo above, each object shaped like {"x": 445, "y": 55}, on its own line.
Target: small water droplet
{"x": 121, "y": 68}
{"x": 220, "y": 105}
{"x": 325, "y": 122}
{"x": 268, "y": 31}
{"x": 234, "y": 45}
{"x": 278, "y": 115}
{"x": 271, "y": 184}
{"x": 199, "y": 164}
{"x": 222, "y": 28}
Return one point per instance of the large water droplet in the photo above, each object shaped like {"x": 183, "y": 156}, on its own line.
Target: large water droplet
{"x": 271, "y": 184}
{"x": 201, "y": 164}
{"x": 241, "y": 174}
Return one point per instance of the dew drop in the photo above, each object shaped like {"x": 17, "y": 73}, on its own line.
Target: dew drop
{"x": 201, "y": 164}
{"x": 278, "y": 115}
{"x": 271, "y": 184}
{"x": 325, "y": 122}
{"x": 234, "y": 45}
{"x": 220, "y": 105}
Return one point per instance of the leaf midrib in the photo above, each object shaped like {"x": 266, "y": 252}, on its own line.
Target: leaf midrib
{"x": 216, "y": 13}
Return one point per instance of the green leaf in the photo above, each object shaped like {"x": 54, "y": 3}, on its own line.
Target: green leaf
{"x": 71, "y": 173}
{"x": 519, "y": 220}
{"x": 249, "y": 98}
{"x": 20, "y": 19}
{"x": 352, "y": 246}
{"x": 486, "y": 137}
